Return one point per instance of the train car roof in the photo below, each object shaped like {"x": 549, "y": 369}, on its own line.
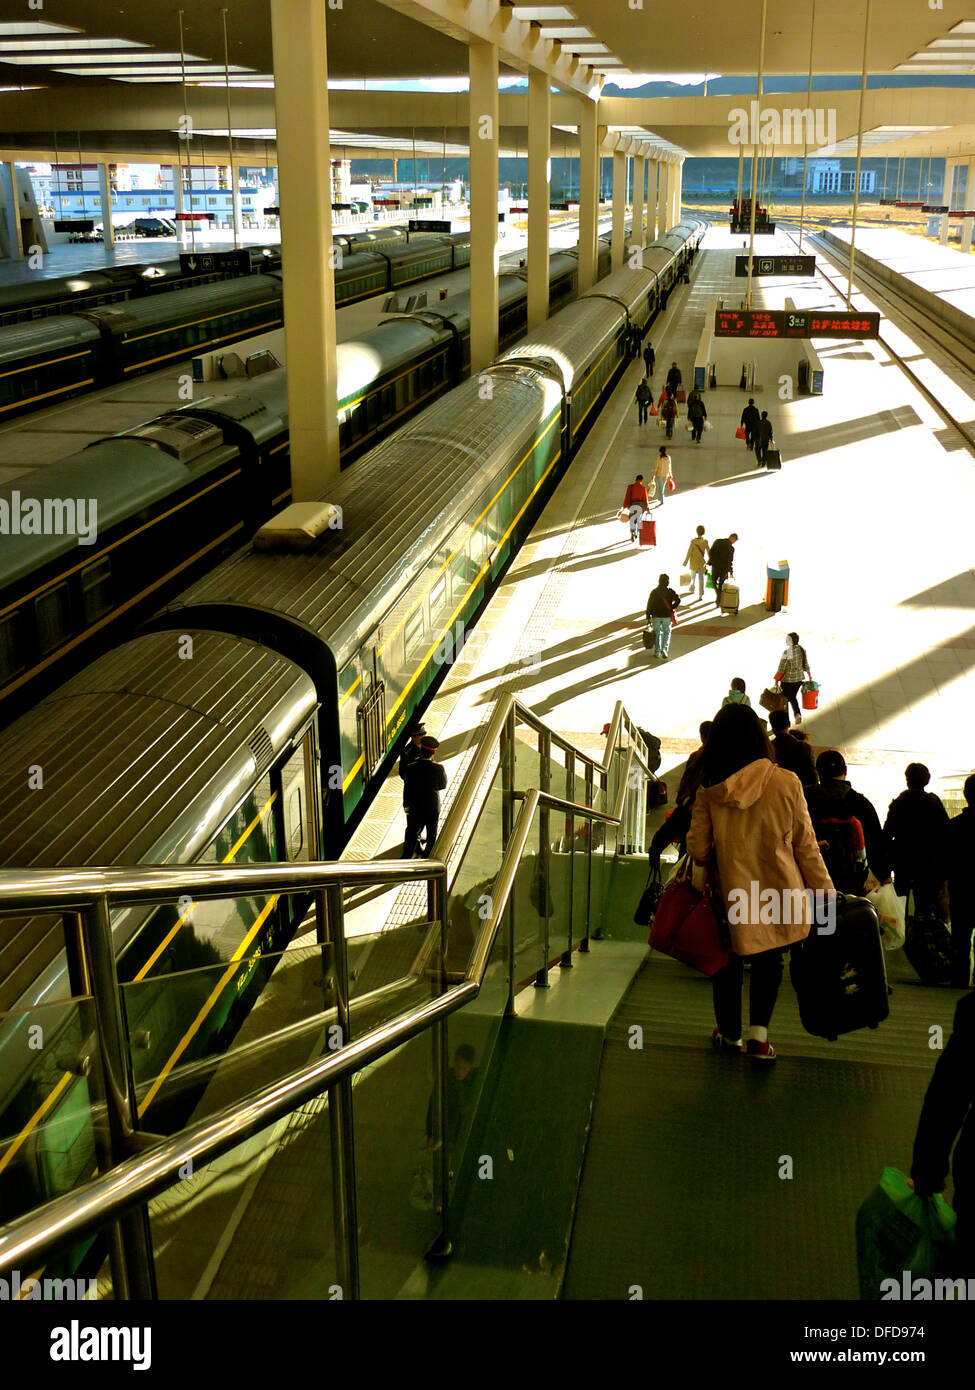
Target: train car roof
{"x": 402, "y": 504}
{"x": 144, "y": 757}
{"x": 629, "y": 286}
{"x": 574, "y": 339}
{"x": 358, "y": 262}
{"x": 121, "y": 475}
{"x": 39, "y": 292}
{"x": 60, "y": 332}
{"x": 202, "y": 300}
{"x": 392, "y": 343}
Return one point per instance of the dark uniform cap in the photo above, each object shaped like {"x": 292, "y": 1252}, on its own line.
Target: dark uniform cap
{"x": 428, "y": 741}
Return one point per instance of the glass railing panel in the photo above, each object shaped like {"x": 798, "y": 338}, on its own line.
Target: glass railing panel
{"x": 394, "y": 1127}
{"x": 470, "y": 901}
{"x": 50, "y": 1089}
{"x": 256, "y": 1223}
{"x": 528, "y": 771}
{"x": 204, "y": 1038}
{"x": 582, "y": 840}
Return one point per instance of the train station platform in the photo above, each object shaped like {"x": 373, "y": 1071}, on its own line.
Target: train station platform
{"x": 942, "y": 271}
{"x": 670, "y": 1164}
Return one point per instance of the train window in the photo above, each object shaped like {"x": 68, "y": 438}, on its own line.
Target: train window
{"x": 52, "y": 613}
{"x": 11, "y": 646}
{"x": 438, "y": 595}
{"x": 96, "y": 587}
{"x": 389, "y": 401}
{"x": 413, "y": 633}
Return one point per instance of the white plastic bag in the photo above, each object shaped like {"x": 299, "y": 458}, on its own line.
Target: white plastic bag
{"x": 891, "y": 911}
{"x": 708, "y": 425}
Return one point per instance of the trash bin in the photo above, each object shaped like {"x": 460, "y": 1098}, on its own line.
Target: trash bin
{"x": 777, "y": 586}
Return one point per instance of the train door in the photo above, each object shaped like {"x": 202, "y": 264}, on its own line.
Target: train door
{"x": 371, "y": 715}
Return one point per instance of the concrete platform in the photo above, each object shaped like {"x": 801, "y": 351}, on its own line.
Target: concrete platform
{"x": 941, "y": 270}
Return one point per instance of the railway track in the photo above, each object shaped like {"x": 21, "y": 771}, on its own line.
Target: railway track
{"x": 938, "y": 337}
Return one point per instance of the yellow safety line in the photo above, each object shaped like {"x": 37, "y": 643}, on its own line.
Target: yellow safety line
{"x": 51, "y": 362}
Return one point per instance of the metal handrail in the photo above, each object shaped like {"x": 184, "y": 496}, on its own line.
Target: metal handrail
{"x": 87, "y": 1209}
{"x": 74, "y": 890}
{"x": 129, "y": 1184}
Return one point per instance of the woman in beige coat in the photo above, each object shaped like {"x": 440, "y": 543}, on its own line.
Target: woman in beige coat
{"x": 662, "y": 470}
{"x": 750, "y": 825}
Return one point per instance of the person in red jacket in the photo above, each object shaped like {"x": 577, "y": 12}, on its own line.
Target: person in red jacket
{"x": 636, "y": 502}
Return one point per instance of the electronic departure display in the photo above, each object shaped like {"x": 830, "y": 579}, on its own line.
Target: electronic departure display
{"x": 791, "y": 323}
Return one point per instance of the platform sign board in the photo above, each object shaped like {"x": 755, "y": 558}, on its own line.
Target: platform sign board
{"x": 195, "y": 217}
{"x": 935, "y": 207}
{"x": 761, "y": 228}
{"x": 272, "y": 212}
{"x": 777, "y": 265}
{"x": 74, "y": 224}
{"x": 429, "y": 224}
{"x": 209, "y": 262}
{"x": 788, "y": 323}
{"x": 558, "y": 207}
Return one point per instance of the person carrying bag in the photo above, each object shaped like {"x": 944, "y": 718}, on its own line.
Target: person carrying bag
{"x": 793, "y": 669}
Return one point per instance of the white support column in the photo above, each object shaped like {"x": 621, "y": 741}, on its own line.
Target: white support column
{"x": 301, "y": 107}
{"x": 949, "y": 183}
{"x": 653, "y": 174}
{"x": 619, "y": 210}
{"x": 483, "y": 139}
{"x": 639, "y": 175}
{"x": 176, "y": 175}
{"x": 966, "y": 233}
{"x": 588, "y": 193}
{"x": 663, "y": 220}
{"x": 678, "y": 190}
{"x": 968, "y": 202}
{"x": 539, "y": 195}
{"x": 105, "y": 193}
{"x": 15, "y": 239}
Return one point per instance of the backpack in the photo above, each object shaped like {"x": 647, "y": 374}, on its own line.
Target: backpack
{"x": 843, "y": 848}
{"x": 653, "y": 749}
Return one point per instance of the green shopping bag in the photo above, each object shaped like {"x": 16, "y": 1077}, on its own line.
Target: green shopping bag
{"x": 710, "y": 583}
{"x": 901, "y": 1236}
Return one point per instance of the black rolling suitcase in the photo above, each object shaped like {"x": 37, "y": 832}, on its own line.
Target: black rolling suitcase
{"x": 928, "y": 946}
{"x": 773, "y": 459}
{"x": 841, "y": 979}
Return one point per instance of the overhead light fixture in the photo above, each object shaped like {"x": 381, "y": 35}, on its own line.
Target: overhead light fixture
{"x": 167, "y": 70}
{"x": 65, "y": 45}
{"x": 23, "y": 89}
{"x": 540, "y": 13}
{"x": 36, "y": 26}
{"x": 566, "y": 32}
{"x": 933, "y": 69}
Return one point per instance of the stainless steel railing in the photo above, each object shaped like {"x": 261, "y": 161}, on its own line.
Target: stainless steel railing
{"x": 115, "y": 1202}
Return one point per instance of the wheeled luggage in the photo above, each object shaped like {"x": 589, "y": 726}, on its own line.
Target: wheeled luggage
{"x": 773, "y": 459}
{"x": 648, "y": 532}
{"x": 729, "y": 597}
{"x": 927, "y": 945}
{"x": 840, "y": 977}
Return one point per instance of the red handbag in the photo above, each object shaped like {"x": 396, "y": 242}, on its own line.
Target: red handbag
{"x": 740, "y": 432}
{"x": 671, "y": 485}
{"x": 681, "y": 395}
{"x": 687, "y": 927}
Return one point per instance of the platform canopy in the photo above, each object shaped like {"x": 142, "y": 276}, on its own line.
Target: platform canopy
{"x": 90, "y": 77}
